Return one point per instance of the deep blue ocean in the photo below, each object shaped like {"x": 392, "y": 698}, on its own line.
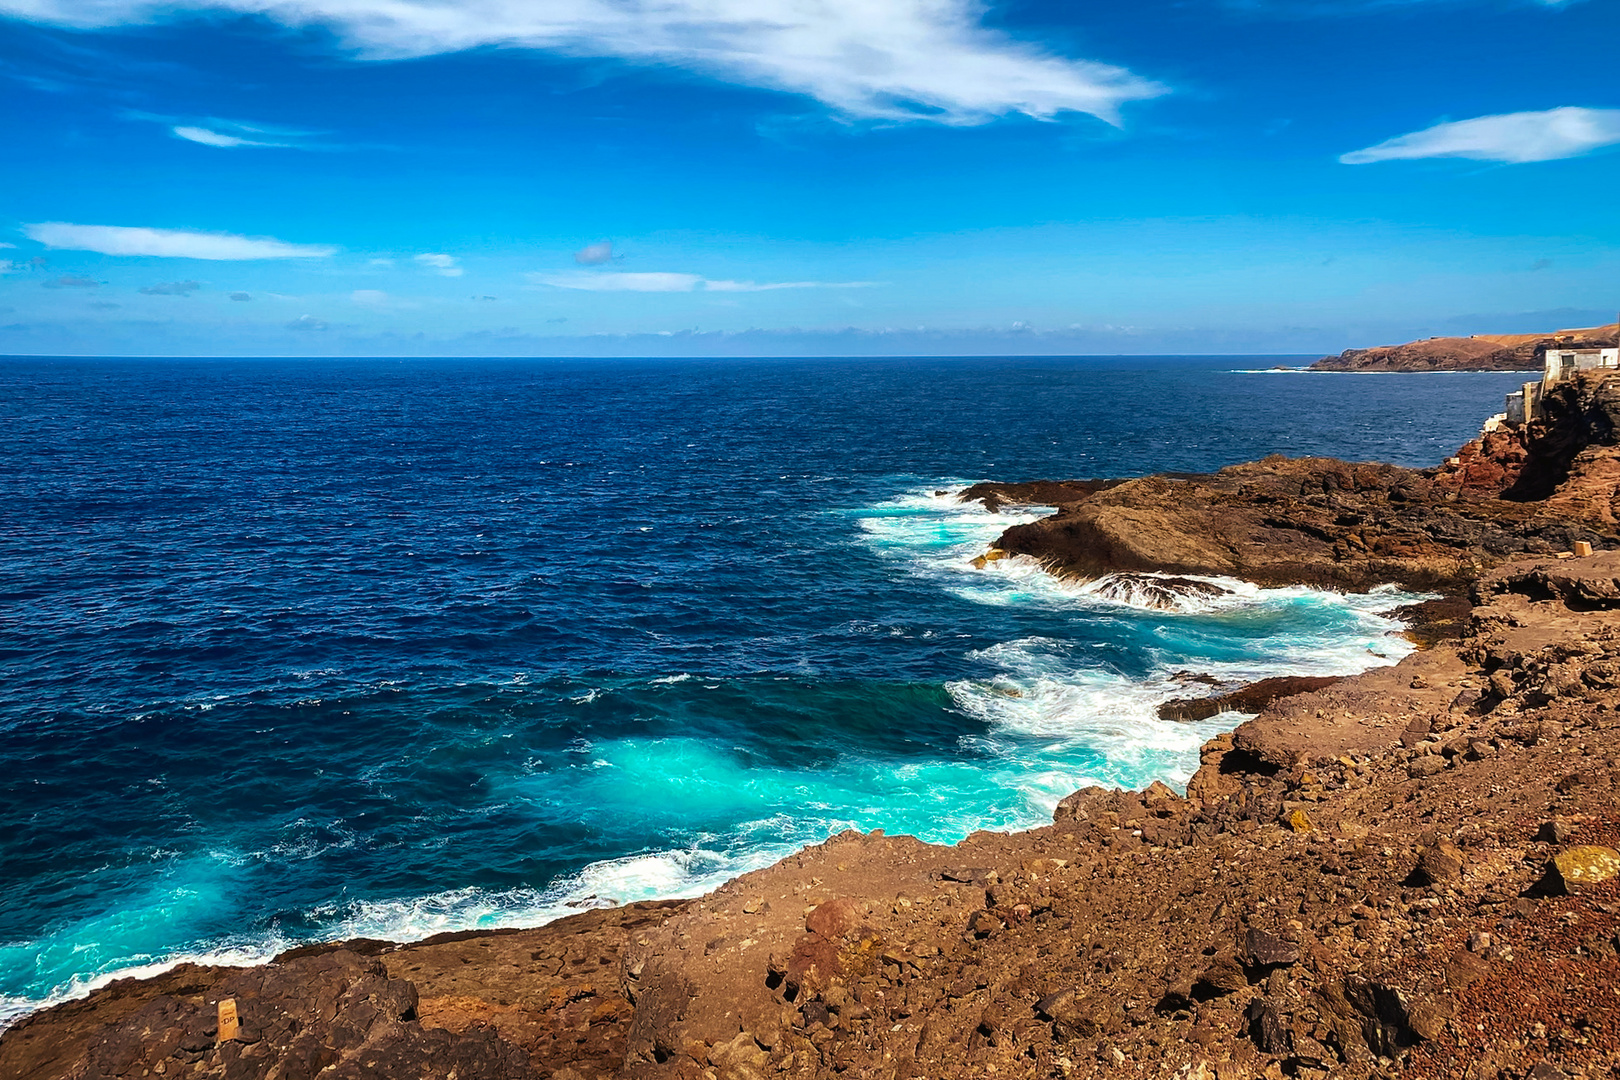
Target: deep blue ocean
{"x": 296, "y": 649}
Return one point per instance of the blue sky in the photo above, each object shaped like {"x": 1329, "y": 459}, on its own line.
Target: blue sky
{"x": 802, "y": 176}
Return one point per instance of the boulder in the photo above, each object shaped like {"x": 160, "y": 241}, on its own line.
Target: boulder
{"x": 834, "y": 919}
{"x": 1579, "y": 867}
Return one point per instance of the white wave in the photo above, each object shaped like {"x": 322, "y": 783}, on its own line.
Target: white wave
{"x": 1057, "y": 715}
{"x": 682, "y": 677}
{"x": 661, "y": 875}
{"x": 15, "y": 1007}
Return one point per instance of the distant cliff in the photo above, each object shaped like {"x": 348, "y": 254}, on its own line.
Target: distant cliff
{"x": 1481, "y": 352}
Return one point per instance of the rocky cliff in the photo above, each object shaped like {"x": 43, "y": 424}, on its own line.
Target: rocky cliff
{"x": 1482, "y": 352}
{"x": 1409, "y": 872}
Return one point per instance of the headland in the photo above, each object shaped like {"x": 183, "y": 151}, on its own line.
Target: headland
{"x": 1410, "y": 872}
{"x": 1477, "y": 352}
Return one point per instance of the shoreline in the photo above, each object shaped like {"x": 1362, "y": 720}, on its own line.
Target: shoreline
{"x": 1406, "y": 816}
{"x": 249, "y": 955}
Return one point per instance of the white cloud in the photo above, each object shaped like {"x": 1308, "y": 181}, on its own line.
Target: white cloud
{"x": 595, "y": 254}
{"x": 168, "y": 243}
{"x": 370, "y": 297}
{"x": 667, "y": 282}
{"x": 1511, "y": 137}
{"x": 897, "y": 59}
{"x": 308, "y": 322}
{"x": 3, "y": 244}
{"x": 381, "y": 262}
{"x": 214, "y": 138}
{"x": 444, "y": 264}
{"x": 8, "y": 267}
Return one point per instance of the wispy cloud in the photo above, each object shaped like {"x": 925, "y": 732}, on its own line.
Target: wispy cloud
{"x": 308, "y": 322}
{"x": 209, "y": 137}
{"x": 901, "y": 59}
{"x": 670, "y": 282}
{"x": 369, "y": 297}
{"x": 241, "y": 296}
{"x": 1509, "y": 137}
{"x": 168, "y": 243}
{"x": 171, "y": 288}
{"x": 594, "y": 254}
{"x": 72, "y": 283}
{"x": 228, "y": 134}
{"x": 443, "y": 264}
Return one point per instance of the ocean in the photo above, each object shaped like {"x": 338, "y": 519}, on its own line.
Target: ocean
{"x": 303, "y": 649}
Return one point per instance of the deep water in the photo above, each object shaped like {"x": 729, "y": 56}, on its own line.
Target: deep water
{"x": 297, "y": 649}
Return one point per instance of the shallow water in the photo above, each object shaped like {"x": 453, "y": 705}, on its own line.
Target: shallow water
{"x": 302, "y": 649}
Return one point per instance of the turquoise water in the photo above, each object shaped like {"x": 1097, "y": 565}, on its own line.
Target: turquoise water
{"x": 297, "y": 650}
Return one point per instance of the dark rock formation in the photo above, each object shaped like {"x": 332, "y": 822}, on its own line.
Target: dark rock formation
{"x": 1033, "y": 493}
{"x": 1248, "y": 699}
{"x": 1282, "y": 521}
{"x": 1158, "y": 591}
{"x": 1317, "y": 521}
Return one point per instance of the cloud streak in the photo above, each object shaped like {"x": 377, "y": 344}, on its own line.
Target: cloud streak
{"x": 168, "y": 243}
{"x": 208, "y": 137}
{"x": 1514, "y": 138}
{"x": 670, "y": 283}
{"x": 874, "y": 59}
{"x": 442, "y": 264}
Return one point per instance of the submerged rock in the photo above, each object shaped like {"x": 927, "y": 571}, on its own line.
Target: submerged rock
{"x": 1156, "y": 591}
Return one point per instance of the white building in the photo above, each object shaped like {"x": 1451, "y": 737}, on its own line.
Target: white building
{"x": 1561, "y": 363}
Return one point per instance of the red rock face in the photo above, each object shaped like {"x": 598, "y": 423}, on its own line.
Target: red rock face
{"x": 1487, "y": 466}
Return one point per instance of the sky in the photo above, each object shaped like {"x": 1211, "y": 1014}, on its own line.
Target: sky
{"x": 802, "y": 177}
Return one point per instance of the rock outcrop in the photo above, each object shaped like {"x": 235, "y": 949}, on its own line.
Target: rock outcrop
{"x": 1317, "y": 521}
{"x": 1281, "y": 521}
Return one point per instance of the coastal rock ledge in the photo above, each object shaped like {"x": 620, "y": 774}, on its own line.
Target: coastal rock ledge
{"x": 1403, "y": 873}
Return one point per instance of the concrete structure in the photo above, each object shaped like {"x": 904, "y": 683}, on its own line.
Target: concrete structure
{"x": 1515, "y": 414}
{"x": 1561, "y": 363}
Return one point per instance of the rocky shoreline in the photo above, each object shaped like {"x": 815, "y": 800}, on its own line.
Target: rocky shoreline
{"x": 1407, "y": 872}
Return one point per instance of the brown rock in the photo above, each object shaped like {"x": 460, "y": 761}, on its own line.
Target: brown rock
{"x": 1269, "y": 950}
{"x": 1249, "y": 699}
{"x": 1224, "y": 976}
{"x": 1439, "y": 864}
{"x": 834, "y": 919}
